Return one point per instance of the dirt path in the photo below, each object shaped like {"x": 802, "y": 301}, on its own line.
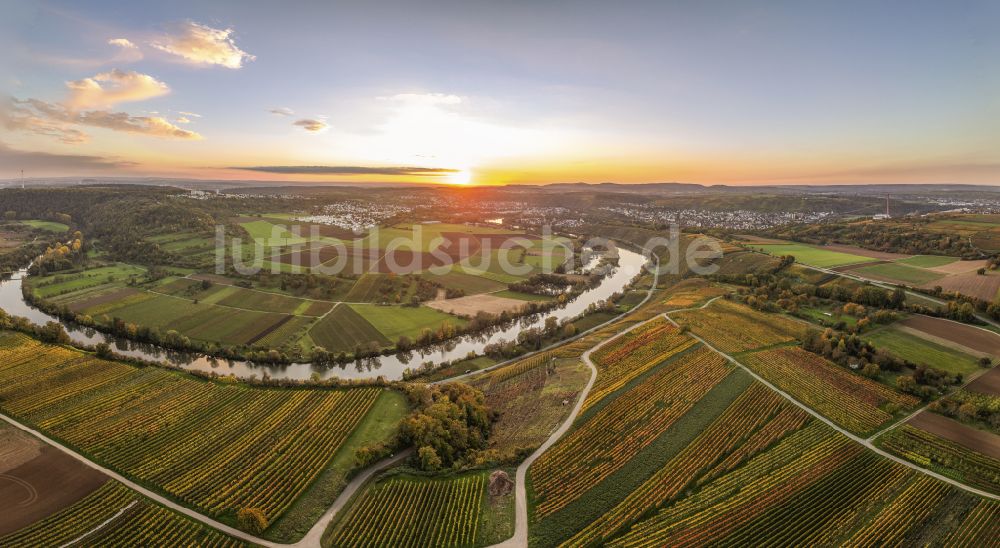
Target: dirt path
{"x": 520, "y": 538}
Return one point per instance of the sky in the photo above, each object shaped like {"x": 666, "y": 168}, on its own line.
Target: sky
{"x": 503, "y": 92}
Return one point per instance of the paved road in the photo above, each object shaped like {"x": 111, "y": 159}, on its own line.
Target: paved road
{"x": 312, "y": 538}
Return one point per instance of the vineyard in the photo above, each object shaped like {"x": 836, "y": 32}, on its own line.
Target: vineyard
{"x": 404, "y": 511}
{"x": 608, "y": 440}
{"x": 634, "y": 353}
{"x": 135, "y": 521}
{"x": 215, "y": 446}
{"x": 755, "y": 420}
{"x": 816, "y": 488}
{"x": 733, "y": 327}
{"x": 949, "y": 458}
{"x": 851, "y": 401}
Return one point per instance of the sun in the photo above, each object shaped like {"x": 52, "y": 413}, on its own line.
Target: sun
{"x": 460, "y": 177}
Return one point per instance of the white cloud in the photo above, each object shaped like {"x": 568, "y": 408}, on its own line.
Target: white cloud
{"x": 43, "y": 118}
{"x": 190, "y": 114}
{"x": 183, "y": 120}
{"x": 107, "y": 89}
{"x": 203, "y": 45}
{"x": 282, "y": 111}
{"x": 312, "y": 125}
{"x": 124, "y": 43}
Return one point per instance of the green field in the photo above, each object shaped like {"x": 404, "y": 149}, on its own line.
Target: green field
{"x": 396, "y": 321}
{"x": 900, "y": 272}
{"x": 343, "y": 329}
{"x": 919, "y": 351}
{"x": 814, "y": 256}
{"x": 927, "y": 261}
{"x": 272, "y": 234}
{"x": 50, "y": 226}
{"x": 471, "y": 285}
{"x": 58, "y": 284}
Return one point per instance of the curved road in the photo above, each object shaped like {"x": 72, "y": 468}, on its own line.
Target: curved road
{"x": 520, "y": 538}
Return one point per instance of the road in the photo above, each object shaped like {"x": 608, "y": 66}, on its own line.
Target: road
{"x": 520, "y": 538}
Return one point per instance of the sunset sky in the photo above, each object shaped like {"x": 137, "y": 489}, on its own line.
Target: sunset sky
{"x": 495, "y": 92}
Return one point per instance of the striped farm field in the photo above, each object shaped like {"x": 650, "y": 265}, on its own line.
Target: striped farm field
{"x": 215, "y": 446}
{"x": 849, "y": 400}
{"x": 946, "y": 457}
{"x": 754, "y": 421}
{"x": 343, "y": 329}
{"x": 634, "y": 353}
{"x": 132, "y": 520}
{"x": 816, "y": 488}
{"x": 606, "y": 442}
{"x": 408, "y": 511}
{"x": 733, "y": 327}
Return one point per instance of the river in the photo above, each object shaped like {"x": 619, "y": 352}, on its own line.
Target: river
{"x": 390, "y": 367}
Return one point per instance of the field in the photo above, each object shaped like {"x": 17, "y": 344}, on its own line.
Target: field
{"x": 733, "y": 327}
{"x": 922, "y": 351}
{"x": 617, "y": 431}
{"x": 968, "y": 338}
{"x": 342, "y": 329}
{"x": 634, "y": 353}
{"x": 927, "y": 261}
{"x": 978, "y": 440}
{"x": 943, "y": 456}
{"x": 814, "y": 256}
{"x": 471, "y": 305}
{"x": 116, "y": 516}
{"x": 403, "y": 510}
{"x": 37, "y": 480}
{"x": 850, "y": 400}
{"x": 814, "y": 487}
{"x": 394, "y": 322}
{"x": 985, "y": 287}
{"x": 753, "y": 421}
{"x": 988, "y": 383}
{"x": 48, "y": 226}
{"x": 898, "y": 273}
{"x": 214, "y": 446}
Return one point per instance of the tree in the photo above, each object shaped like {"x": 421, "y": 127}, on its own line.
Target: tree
{"x": 451, "y": 419}
{"x": 251, "y": 519}
{"x": 429, "y": 459}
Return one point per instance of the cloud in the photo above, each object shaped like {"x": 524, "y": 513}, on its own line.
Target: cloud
{"x": 107, "y": 89}
{"x": 348, "y": 170}
{"x": 190, "y": 114}
{"x": 203, "y": 45}
{"x": 43, "y": 118}
{"x": 312, "y": 125}
{"x": 282, "y": 111}
{"x": 124, "y": 43}
{"x": 48, "y": 162}
{"x": 182, "y": 120}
